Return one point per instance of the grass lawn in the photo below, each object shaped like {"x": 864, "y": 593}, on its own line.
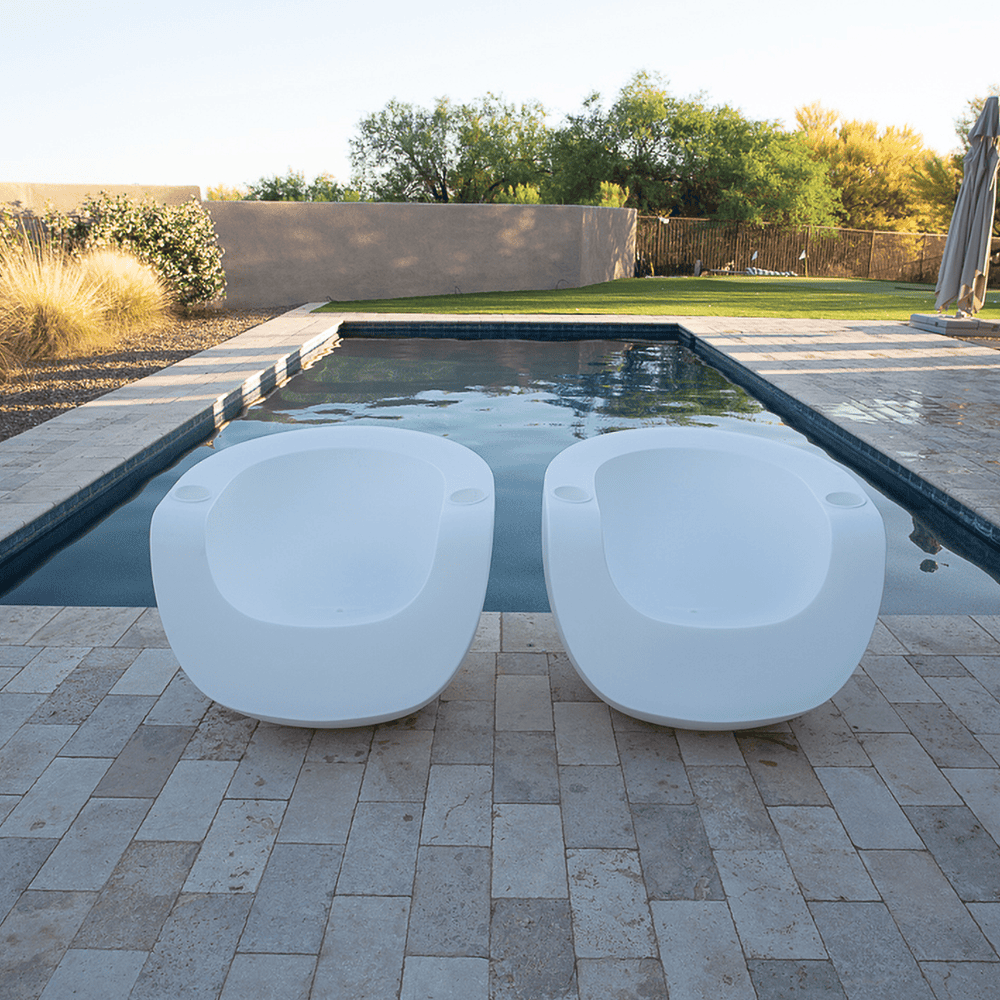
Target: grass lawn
{"x": 813, "y": 298}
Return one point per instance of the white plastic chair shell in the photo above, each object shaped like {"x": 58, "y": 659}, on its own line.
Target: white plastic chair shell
{"x": 706, "y": 579}
{"x": 325, "y": 577}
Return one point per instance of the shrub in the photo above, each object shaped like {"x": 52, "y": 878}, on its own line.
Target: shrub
{"x": 132, "y": 294}
{"x": 519, "y": 194}
{"x": 48, "y": 308}
{"x": 223, "y": 192}
{"x": 178, "y": 240}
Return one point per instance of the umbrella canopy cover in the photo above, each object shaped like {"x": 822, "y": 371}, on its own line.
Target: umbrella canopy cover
{"x": 966, "y": 259}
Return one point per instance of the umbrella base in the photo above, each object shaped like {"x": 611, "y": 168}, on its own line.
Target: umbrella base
{"x": 954, "y": 325}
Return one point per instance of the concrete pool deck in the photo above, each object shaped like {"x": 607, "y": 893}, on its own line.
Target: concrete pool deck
{"x": 517, "y": 838}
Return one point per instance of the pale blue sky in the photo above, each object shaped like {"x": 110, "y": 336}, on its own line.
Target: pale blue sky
{"x": 189, "y": 92}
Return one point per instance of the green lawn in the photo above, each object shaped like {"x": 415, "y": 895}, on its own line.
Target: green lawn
{"x": 819, "y": 298}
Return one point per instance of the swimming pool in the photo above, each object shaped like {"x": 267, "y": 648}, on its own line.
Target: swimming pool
{"x": 517, "y": 403}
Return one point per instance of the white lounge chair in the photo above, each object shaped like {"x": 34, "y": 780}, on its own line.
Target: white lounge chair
{"x": 706, "y": 579}
{"x": 325, "y": 577}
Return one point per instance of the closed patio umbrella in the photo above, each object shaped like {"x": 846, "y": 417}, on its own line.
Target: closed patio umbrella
{"x": 966, "y": 259}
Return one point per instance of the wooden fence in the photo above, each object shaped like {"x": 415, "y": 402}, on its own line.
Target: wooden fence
{"x": 673, "y": 246}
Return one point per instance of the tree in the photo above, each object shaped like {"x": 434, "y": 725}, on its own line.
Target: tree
{"x": 501, "y": 145}
{"x": 466, "y": 153}
{"x": 293, "y": 187}
{"x": 936, "y": 182}
{"x": 405, "y": 153}
{"x": 683, "y": 157}
{"x": 580, "y": 157}
{"x": 755, "y": 172}
{"x": 872, "y": 168}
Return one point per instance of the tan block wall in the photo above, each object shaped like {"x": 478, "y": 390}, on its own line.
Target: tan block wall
{"x": 288, "y": 253}
{"x": 64, "y": 197}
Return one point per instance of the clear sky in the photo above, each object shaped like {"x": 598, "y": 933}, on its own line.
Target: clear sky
{"x": 206, "y": 92}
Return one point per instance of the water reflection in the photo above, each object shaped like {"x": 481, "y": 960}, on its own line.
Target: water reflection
{"x": 623, "y": 384}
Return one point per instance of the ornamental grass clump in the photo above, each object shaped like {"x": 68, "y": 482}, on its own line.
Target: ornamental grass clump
{"x": 132, "y": 294}
{"x": 48, "y": 307}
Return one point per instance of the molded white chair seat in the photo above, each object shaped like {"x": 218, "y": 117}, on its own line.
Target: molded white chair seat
{"x": 706, "y": 579}
{"x": 332, "y": 576}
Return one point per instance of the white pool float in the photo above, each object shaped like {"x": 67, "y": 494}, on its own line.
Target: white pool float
{"x": 326, "y": 577}
{"x": 706, "y": 579}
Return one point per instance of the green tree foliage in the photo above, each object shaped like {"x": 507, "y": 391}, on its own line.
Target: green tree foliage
{"x": 294, "y": 187}
{"x": 465, "y": 153}
{"x": 872, "y": 168}
{"x": 406, "y": 153}
{"x": 500, "y": 145}
{"x": 683, "y": 157}
{"x": 936, "y": 182}
{"x": 755, "y": 172}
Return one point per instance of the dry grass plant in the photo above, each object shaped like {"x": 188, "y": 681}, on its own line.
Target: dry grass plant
{"x": 133, "y": 296}
{"x": 53, "y": 305}
{"x": 48, "y": 308}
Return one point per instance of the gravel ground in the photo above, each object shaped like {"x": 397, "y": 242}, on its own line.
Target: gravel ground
{"x": 44, "y": 389}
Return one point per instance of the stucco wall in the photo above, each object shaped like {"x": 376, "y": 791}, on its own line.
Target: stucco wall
{"x": 287, "y": 253}
{"x": 64, "y": 197}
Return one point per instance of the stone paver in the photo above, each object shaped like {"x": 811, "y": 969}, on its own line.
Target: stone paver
{"x": 516, "y": 838}
{"x": 155, "y": 845}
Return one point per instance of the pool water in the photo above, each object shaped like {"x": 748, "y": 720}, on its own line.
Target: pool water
{"x": 517, "y": 403}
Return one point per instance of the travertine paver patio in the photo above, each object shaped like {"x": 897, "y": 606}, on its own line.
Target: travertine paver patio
{"x": 515, "y": 839}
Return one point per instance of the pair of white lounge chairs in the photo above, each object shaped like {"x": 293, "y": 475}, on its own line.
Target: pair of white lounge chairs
{"x": 699, "y": 578}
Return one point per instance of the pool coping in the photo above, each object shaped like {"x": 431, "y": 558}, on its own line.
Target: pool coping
{"x": 59, "y": 475}
{"x": 70, "y": 469}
